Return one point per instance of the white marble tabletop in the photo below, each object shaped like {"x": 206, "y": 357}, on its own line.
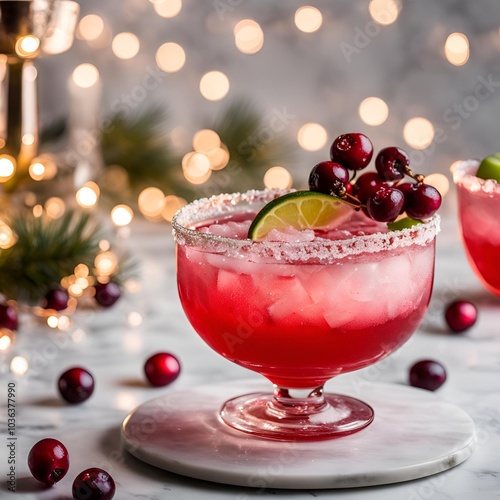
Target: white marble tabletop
{"x": 114, "y": 351}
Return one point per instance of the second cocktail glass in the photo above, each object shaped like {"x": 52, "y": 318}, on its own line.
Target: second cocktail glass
{"x": 479, "y": 210}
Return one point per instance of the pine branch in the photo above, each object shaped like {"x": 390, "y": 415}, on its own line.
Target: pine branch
{"x": 45, "y": 252}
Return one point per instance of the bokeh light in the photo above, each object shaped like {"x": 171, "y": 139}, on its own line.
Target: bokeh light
{"x": 19, "y": 366}
{"x": 7, "y": 236}
{"x": 373, "y": 111}
{"x": 418, "y": 132}
{"x": 7, "y": 167}
{"x": 88, "y": 195}
{"x": 383, "y": 12}
{"x": 308, "y": 19}
{"x": 278, "y": 178}
{"x": 167, "y": 8}
{"x": 171, "y": 205}
{"x": 122, "y": 215}
{"x": 214, "y": 85}
{"x": 85, "y": 75}
{"x": 106, "y": 263}
{"x": 218, "y": 157}
{"x": 454, "y": 165}
{"x": 90, "y": 27}
{"x": 55, "y": 207}
{"x": 125, "y": 45}
{"x": 27, "y": 46}
{"x": 312, "y": 136}
{"x": 439, "y": 181}
{"x": 456, "y": 49}
{"x": 205, "y": 140}
{"x": 151, "y": 201}
{"x": 248, "y": 36}
{"x": 170, "y": 57}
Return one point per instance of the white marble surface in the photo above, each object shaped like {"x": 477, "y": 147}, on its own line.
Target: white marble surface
{"x": 414, "y": 434}
{"x": 114, "y": 352}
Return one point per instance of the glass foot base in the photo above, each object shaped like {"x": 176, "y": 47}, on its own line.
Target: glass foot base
{"x": 258, "y": 414}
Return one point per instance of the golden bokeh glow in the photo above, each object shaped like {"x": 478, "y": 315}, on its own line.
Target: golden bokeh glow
{"x": 106, "y": 263}
{"x": 151, "y": 201}
{"x": 85, "y": 75}
{"x": 218, "y": 157}
{"x": 88, "y": 195}
{"x": 170, "y": 57}
{"x": 278, "y": 178}
{"x": 418, "y": 132}
{"x": 383, "y": 12}
{"x": 205, "y": 140}
{"x": 171, "y": 205}
{"x": 7, "y": 338}
{"x": 7, "y": 167}
{"x": 125, "y": 45}
{"x": 90, "y": 27}
{"x": 27, "y": 46}
{"x": 28, "y": 139}
{"x": 196, "y": 164}
{"x": 308, "y": 19}
{"x": 440, "y": 182}
{"x": 7, "y": 236}
{"x": 167, "y": 8}
{"x": 122, "y": 215}
{"x": 456, "y": 49}
{"x": 214, "y": 85}
{"x": 19, "y": 366}
{"x": 55, "y": 207}
{"x": 37, "y": 171}
{"x": 373, "y": 111}
{"x": 248, "y": 36}
{"x": 312, "y": 136}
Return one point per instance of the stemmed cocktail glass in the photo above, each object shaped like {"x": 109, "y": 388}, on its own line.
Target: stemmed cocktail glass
{"x": 299, "y": 313}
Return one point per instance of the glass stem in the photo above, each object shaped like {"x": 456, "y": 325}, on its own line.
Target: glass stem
{"x": 296, "y": 402}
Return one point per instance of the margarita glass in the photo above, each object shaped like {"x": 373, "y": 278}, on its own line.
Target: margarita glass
{"x": 299, "y": 313}
{"x": 479, "y": 209}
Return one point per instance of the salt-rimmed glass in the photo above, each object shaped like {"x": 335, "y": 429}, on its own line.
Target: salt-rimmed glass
{"x": 479, "y": 209}
{"x": 300, "y": 313}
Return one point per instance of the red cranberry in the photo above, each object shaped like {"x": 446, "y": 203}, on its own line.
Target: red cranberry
{"x": 76, "y": 385}
{"x": 421, "y": 200}
{"x": 366, "y": 185}
{"x": 427, "y": 374}
{"x": 353, "y": 151}
{"x": 162, "y": 369}
{"x": 8, "y": 317}
{"x": 391, "y": 163}
{"x": 107, "y": 294}
{"x": 93, "y": 484}
{"x": 385, "y": 204}
{"x": 328, "y": 177}
{"x": 461, "y": 315}
{"x": 48, "y": 461}
{"x": 56, "y": 299}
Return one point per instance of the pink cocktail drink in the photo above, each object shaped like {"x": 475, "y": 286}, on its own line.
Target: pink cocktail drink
{"x": 300, "y": 312}
{"x": 479, "y": 209}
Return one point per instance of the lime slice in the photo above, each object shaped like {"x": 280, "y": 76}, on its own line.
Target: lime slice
{"x": 403, "y": 223}
{"x": 490, "y": 168}
{"x": 300, "y": 210}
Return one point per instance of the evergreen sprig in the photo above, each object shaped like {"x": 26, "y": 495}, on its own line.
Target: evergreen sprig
{"x": 138, "y": 144}
{"x": 255, "y": 142}
{"x": 45, "y": 252}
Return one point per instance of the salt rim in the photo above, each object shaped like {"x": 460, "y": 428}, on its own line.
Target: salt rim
{"x": 464, "y": 176}
{"x": 320, "y": 250}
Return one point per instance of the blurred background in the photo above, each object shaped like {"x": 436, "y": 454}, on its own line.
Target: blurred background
{"x": 276, "y": 81}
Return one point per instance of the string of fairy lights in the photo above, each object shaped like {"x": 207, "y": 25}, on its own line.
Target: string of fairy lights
{"x": 208, "y": 153}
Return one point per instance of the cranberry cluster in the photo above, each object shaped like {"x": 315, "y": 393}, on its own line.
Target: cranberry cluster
{"x": 380, "y": 194}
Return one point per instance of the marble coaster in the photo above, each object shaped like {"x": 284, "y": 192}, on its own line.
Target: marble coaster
{"x": 414, "y": 434}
